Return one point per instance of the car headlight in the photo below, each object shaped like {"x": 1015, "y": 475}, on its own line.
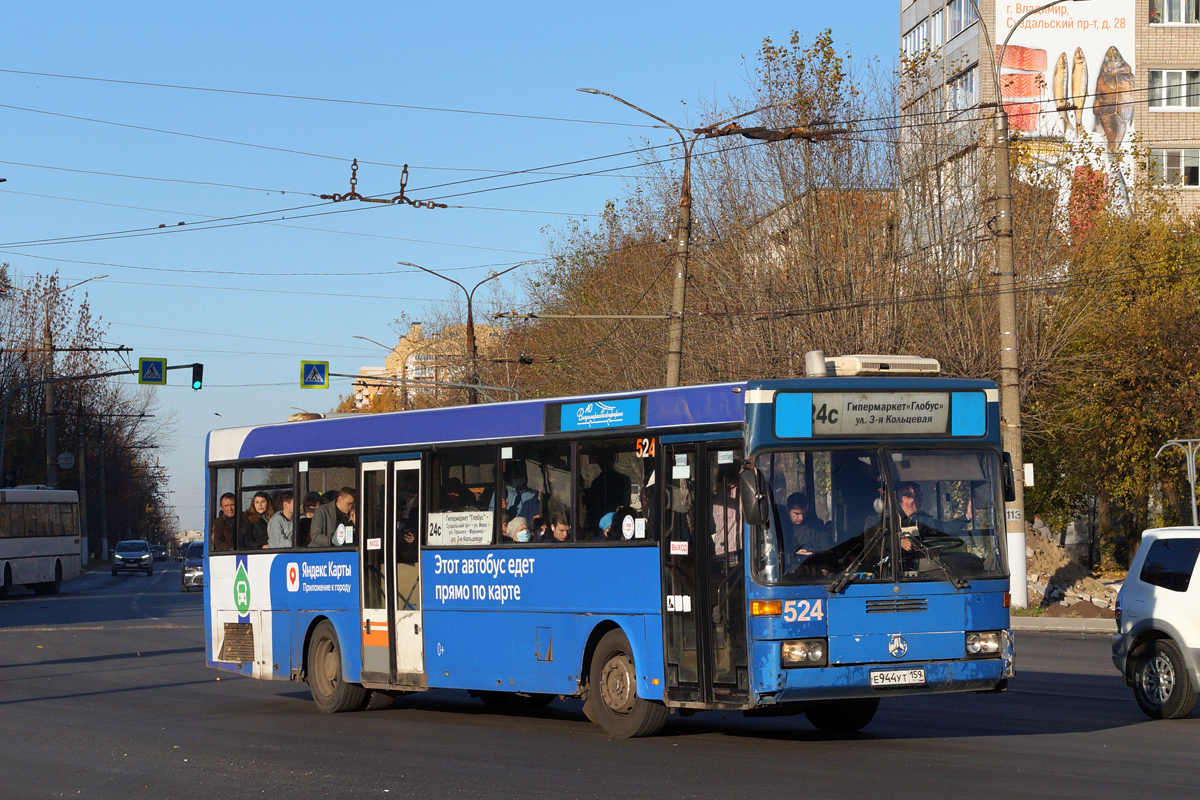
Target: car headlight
{"x": 803, "y": 653}
{"x": 983, "y": 644}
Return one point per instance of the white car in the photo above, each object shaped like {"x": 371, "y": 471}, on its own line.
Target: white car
{"x": 1157, "y": 647}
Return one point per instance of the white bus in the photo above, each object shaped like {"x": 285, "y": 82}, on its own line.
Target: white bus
{"x": 39, "y": 538}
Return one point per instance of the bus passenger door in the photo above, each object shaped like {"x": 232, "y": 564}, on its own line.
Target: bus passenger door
{"x": 725, "y": 575}
{"x": 704, "y": 603}
{"x": 680, "y": 552}
{"x": 372, "y": 513}
{"x": 405, "y": 532}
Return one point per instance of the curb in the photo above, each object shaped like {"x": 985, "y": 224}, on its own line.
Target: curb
{"x": 1064, "y": 624}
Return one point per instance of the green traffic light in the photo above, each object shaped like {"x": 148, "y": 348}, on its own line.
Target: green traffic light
{"x": 197, "y": 376}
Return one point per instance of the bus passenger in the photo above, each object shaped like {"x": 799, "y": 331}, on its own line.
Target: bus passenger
{"x": 809, "y": 534}
{"x": 559, "y": 530}
{"x": 254, "y": 522}
{"x": 329, "y": 517}
{"x": 455, "y": 496}
{"x": 605, "y": 527}
{"x": 610, "y": 489}
{"x": 280, "y": 529}
{"x": 312, "y": 501}
{"x": 517, "y": 530}
{"x": 221, "y": 535}
{"x": 537, "y": 527}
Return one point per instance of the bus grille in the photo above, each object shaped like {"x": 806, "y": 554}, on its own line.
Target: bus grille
{"x": 897, "y": 605}
{"x": 238, "y": 644}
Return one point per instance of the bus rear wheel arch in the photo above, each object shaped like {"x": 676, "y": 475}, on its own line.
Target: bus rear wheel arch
{"x": 6, "y": 582}
{"x": 612, "y": 700}
{"x": 323, "y": 673}
{"x": 51, "y": 587}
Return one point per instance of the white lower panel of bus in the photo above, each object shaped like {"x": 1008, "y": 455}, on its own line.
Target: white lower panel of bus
{"x": 31, "y": 559}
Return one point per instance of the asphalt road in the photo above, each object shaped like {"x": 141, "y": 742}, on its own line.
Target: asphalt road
{"x": 104, "y": 694}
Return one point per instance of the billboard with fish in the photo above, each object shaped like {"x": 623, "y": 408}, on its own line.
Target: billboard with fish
{"x": 1068, "y": 72}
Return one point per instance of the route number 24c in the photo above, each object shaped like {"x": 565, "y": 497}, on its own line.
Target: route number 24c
{"x": 802, "y": 610}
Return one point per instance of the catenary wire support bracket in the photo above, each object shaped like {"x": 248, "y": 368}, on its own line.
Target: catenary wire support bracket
{"x": 399, "y": 199}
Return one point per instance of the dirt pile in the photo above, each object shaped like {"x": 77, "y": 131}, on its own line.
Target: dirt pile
{"x": 1061, "y": 586}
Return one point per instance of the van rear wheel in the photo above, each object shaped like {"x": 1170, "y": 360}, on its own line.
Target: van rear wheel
{"x": 612, "y": 691}
{"x": 329, "y": 691}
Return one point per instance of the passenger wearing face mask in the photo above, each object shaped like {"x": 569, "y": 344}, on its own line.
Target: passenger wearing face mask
{"x": 518, "y": 531}
{"x": 519, "y": 499}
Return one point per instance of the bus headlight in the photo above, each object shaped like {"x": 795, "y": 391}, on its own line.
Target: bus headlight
{"x": 983, "y": 644}
{"x": 803, "y": 653}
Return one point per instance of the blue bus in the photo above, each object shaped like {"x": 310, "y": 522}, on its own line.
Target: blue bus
{"x": 810, "y": 545}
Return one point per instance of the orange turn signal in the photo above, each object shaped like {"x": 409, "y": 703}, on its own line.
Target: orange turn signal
{"x": 1007, "y": 600}
{"x": 766, "y": 608}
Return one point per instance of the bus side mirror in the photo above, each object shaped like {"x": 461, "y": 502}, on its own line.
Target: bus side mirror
{"x": 756, "y": 509}
{"x": 1010, "y": 486}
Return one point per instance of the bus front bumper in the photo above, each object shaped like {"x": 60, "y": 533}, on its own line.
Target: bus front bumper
{"x": 892, "y": 679}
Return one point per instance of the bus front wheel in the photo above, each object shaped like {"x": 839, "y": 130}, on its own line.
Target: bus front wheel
{"x": 329, "y": 691}
{"x": 843, "y": 716}
{"x": 612, "y": 701}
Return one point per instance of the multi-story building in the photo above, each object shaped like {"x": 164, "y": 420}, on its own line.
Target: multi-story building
{"x": 1120, "y": 75}
{"x": 425, "y": 361}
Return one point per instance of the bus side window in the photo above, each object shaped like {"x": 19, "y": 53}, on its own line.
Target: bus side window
{"x": 536, "y": 486}
{"x": 221, "y": 526}
{"x": 615, "y": 478}
{"x": 461, "y": 494}
{"x": 320, "y": 485}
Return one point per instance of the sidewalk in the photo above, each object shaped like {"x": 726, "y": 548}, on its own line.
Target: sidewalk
{"x": 1061, "y": 624}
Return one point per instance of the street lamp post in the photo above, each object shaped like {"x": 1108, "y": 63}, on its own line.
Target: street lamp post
{"x": 51, "y": 421}
{"x": 683, "y": 225}
{"x": 472, "y": 350}
{"x": 683, "y": 235}
{"x": 1006, "y": 293}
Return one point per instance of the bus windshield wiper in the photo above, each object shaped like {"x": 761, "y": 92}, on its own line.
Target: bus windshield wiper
{"x": 958, "y": 580}
{"x": 843, "y": 578}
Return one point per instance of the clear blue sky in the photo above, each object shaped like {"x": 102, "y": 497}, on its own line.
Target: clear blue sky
{"x": 250, "y": 328}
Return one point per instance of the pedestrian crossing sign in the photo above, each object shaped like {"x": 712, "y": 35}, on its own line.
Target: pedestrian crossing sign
{"x": 152, "y": 371}
{"x": 314, "y": 374}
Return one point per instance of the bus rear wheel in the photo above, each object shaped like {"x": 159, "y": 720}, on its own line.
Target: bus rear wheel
{"x": 612, "y": 692}
{"x": 329, "y": 691}
{"x": 843, "y": 716}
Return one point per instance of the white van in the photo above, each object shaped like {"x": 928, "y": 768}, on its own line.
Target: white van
{"x": 1157, "y": 647}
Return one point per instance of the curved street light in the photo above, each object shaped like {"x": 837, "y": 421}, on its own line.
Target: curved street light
{"x": 472, "y": 350}
{"x": 683, "y": 226}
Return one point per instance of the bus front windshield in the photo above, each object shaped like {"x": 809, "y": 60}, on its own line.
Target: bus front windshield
{"x": 894, "y": 514}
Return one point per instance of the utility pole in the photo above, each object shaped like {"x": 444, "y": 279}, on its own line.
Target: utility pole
{"x": 683, "y": 217}
{"x": 103, "y": 499}
{"x": 51, "y": 422}
{"x": 1006, "y": 296}
{"x": 81, "y": 462}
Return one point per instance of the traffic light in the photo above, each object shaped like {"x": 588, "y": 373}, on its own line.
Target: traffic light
{"x": 197, "y": 376}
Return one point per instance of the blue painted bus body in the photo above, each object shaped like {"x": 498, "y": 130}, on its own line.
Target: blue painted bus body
{"x": 532, "y": 636}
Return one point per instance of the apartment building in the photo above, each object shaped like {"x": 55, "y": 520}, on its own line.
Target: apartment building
{"x": 429, "y": 359}
{"x": 1114, "y": 74}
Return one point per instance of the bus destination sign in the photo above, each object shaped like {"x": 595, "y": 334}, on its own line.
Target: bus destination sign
{"x": 880, "y": 413}
{"x": 872, "y": 415}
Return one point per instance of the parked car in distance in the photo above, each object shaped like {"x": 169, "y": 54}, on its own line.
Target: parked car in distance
{"x": 1157, "y": 646}
{"x": 133, "y": 555}
{"x": 192, "y": 574}
{"x": 159, "y": 552}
